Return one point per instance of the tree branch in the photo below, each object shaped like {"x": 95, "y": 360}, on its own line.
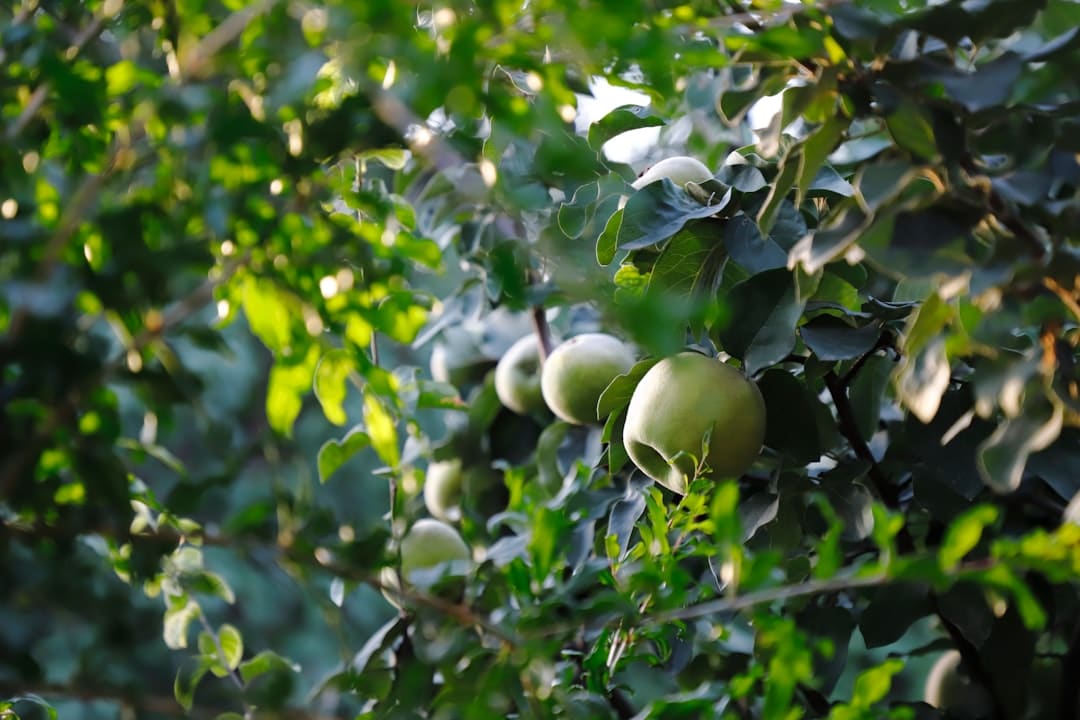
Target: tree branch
{"x": 849, "y": 428}
{"x": 542, "y": 331}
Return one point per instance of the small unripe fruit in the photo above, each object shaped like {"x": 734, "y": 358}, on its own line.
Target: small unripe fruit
{"x": 680, "y": 170}
{"x": 431, "y": 553}
{"x": 950, "y": 689}
{"x": 443, "y": 488}
{"x": 517, "y": 377}
{"x": 577, "y": 373}
{"x": 677, "y": 402}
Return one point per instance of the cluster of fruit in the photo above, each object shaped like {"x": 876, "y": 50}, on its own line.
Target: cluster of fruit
{"x": 690, "y": 415}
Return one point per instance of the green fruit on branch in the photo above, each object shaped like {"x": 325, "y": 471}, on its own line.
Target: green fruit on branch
{"x": 578, "y": 371}
{"x": 443, "y": 488}
{"x": 949, "y": 688}
{"x": 432, "y": 552}
{"x": 677, "y": 402}
{"x": 680, "y": 170}
{"x": 517, "y": 377}
{"x": 431, "y": 549}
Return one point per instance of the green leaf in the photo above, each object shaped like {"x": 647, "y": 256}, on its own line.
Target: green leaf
{"x": 790, "y": 171}
{"x": 1001, "y": 458}
{"x": 622, "y": 119}
{"x": 268, "y": 312}
{"x": 690, "y": 263}
{"x": 658, "y": 211}
{"x": 48, "y": 709}
{"x": 289, "y": 383}
{"x": 873, "y": 685}
{"x": 964, "y": 534}
{"x": 266, "y": 662}
{"x": 867, "y": 393}
{"x": 393, "y": 158}
{"x": 621, "y": 521}
{"x": 814, "y": 151}
{"x": 208, "y": 583}
{"x": 751, "y": 250}
{"x": 331, "y": 375}
{"x": 381, "y": 430}
{"x": 764, "y": 313}
{"x": 616, "y": 395}
{"x": 892, "y": 611}
{"x": 608, "y": 242}
{"x": 189, "y": 674}
{"x": 924, "y": 372}
{"x": 831, "y": 338}
{"x": 177, "y": 621}
{"x": 232, "y": 645}
{"x": 912, "y": 129}
{"x": 788, "y": 403}
{"x": 333, "y": 453}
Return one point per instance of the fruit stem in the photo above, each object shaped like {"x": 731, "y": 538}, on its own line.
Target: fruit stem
{"x": 543, "y": 332}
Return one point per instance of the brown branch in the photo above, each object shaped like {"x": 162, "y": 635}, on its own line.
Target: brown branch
{"x": 429, "y": 146}
{"x": 195, "y": 62}
{"x": 849, "y": 428}
{"x": 542, "y": 331}
{"x": 169, "y": 537}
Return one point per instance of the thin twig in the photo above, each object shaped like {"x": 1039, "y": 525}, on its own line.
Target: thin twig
{"x": 763, "y": 597}
{"x": 849, "y": 428}
{"x": 195, "y": 62}
{"x": 542, "y": 331}
{"x": 38, "y": 97}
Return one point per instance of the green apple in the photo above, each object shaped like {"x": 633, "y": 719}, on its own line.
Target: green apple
{"x": 517, "y": 377}
{"x": 443, "y": 488}
{"x": 431, "y": 553}
{"x": 949, "y": 688}
{"x": 679, "y": 169}
{"x": 432, "y": 545}
{"x": 677, "y": 402}
{"x": 578, "y": 371}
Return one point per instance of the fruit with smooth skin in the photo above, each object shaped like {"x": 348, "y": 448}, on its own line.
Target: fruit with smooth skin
{"x": 676, "y": 403}
{"x": 679, "y": 169}
{"x": 443, "y": 488}
{"x": 578, "y": 371}
{"x": 949, "y": 688}
{"x": 430, "y": 544}
{"x": 432, "y": 552}
{"x": 517, "y": 377}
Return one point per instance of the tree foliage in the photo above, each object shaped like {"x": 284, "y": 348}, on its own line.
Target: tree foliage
{"x": 234, "y": 233}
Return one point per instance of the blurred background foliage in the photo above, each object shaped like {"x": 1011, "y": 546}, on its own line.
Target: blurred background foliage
{"x": 259, "y": 258}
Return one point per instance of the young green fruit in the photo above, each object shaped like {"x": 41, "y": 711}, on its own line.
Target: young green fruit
{"x": 679, "y": 169}
{"x": 431, "y": 552}
{"x": 517, "y": 377}
{"x": 677, "y": 402}
{"x": 443, "y": 488}
{"x": 432, "y": 545}
{"x": 950, "y": 689}
{"x": 577, "y": 373}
